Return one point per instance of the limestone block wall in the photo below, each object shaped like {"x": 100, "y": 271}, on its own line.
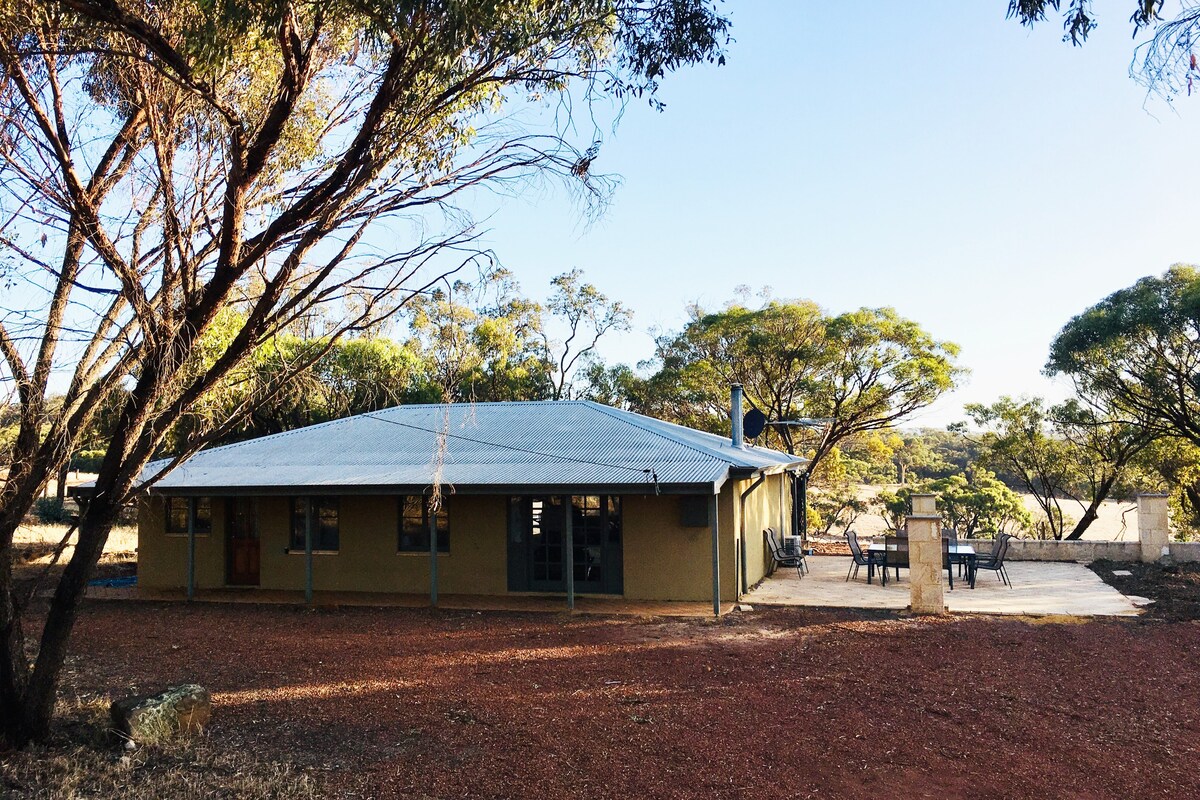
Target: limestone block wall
{"x": 1034, "y": 550}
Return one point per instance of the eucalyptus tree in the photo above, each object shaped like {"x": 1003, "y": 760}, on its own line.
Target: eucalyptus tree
{"x": 1071, "y": 452}
{"x": 161, "y": 161}
{"x": 1017, "y": 438}
{"x": 586, "y": 315}
{"x": 1137, "y": 352}
{"x": 856, "y": 372}
{"x": 480, "y": 341}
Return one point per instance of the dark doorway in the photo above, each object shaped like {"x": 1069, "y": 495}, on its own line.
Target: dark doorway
{"x": 537, "y": 544}
{"x": 241, "y": 542}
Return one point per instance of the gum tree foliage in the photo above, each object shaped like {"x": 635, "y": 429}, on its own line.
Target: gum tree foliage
{"x": 1138, "y": 352}
{"x": 480, "y": 342}
{"x": 586, "y": 315}
{"x": 972, "y": 505}
{"x": 1017, "y": 438}
{"x": 162, "y": 161}
{"x": 862, "y": 371}
{"x": 1165, "y": 63}
{"x": 1068, "y": 452}
{"x": 1078, "y": 19}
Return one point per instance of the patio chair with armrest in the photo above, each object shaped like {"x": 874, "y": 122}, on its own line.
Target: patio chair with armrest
{"x": 785, "y": 558}
{"x": 861, "y": 559}
{"x": 948, "y": 560}
{"x": 995, "y": 560}
{"x": 896, "y": 554}
{"x": 951, "y": 535}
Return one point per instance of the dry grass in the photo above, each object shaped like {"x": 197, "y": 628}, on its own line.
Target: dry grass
{"x": 196, "y": 770}
{"x": 88, "y": 761}
{"x": 35, "y": 543}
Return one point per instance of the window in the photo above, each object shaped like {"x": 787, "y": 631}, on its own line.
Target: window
{"x": 177, "y": 515}
{"x": 414, "y": 526}
{"x": 325, "y": 535}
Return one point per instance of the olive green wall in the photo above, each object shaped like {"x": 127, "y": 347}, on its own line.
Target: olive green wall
{"x": 769, "y": 505}
{"x": 663, "y": 560}
{"x": 162, "y": 559}
{"x": 366, "y": 560}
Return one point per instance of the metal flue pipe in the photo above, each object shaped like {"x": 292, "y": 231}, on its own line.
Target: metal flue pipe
{"x": 735, "y": 414}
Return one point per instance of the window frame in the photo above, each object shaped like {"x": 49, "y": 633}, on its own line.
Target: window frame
{"x": 296, "y": 517}
{"x": 443, "y": 512}
{"x": 198, "y": 529}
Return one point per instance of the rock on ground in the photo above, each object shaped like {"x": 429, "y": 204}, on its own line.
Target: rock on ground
{"x": 150, "y": 718}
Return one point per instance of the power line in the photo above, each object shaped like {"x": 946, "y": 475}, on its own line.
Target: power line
{"x": 650, "y": 474}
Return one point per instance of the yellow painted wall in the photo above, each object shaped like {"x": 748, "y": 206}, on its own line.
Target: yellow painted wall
{"x": 366, "y": 561}
{"x": 663, "y": 560}
{"x": 162, "y": 559}
{"x": 763, "y": 509}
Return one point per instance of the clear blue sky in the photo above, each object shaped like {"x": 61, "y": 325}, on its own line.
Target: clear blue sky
{"x": 984, "y": 180}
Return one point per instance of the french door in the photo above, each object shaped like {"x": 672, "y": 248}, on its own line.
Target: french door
{"x": 537, "y": 544}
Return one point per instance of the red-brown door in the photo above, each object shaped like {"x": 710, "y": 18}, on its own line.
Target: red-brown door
{"x": 241, "y": 525}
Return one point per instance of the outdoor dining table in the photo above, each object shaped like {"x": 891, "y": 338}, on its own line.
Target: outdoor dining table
{"x": 961, "y": 552}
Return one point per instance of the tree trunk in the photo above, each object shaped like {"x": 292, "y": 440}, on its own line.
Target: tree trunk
{"x": 14, "y": 668}
{"x": 1089, "y": 516}
{"x": 34, "y": 709}
{"x": 1092, "y": 512}
{"x": 61, "y": 489}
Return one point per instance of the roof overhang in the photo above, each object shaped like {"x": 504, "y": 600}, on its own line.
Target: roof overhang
{"x": 409, "y": 489}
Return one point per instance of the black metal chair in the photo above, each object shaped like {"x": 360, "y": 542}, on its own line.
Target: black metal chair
{"x": 783, "y": 557}
{"x": 861, "y": 559}
{"x": 947, "y": 559}
{"x": 895, "y": 554}
{"x": 995, "y": 561}
{"x": 951, "y": 535}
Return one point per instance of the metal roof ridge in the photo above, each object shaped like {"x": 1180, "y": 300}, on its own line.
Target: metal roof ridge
{"x": 624, "y": 416}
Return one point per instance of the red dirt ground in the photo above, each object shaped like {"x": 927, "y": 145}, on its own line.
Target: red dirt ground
{"x": 788, "y": 703}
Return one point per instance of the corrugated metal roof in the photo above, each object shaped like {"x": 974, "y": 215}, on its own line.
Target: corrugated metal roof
{"x": 545, "y": 444}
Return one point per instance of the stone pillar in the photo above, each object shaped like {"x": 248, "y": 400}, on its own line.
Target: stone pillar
{"x": 1153, "y": 529}
{"x": 925, "y": 558}
{"x": 924, "y": 505}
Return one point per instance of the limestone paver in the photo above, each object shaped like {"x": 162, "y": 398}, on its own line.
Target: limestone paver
{"x": 1039, "y": 588}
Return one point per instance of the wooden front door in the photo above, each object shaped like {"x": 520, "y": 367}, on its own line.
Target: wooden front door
{"x": 241, "y": 542}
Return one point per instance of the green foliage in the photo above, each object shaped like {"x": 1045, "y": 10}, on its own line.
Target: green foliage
{"x": 1137, "y": 351}
{"x": 1078, "y": 19}
{"x": 481, "y": 342}
{"x": 586, "y": 315}
{"x": 894, "y": 507}
{"x": 1017, "y": 438}
{"x": 975, "y": 506}
{"x": 50, "y": 511}
{"x": 861, "y": 371}
{"x": 979, "y": 505}
{"x": 87, "y": 460}
{"x": 1172, "y": 464}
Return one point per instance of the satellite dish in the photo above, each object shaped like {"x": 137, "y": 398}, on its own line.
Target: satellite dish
{"x": 754, "y": 422}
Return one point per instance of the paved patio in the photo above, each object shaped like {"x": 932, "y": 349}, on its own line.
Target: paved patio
{"x": 1039, "y": 588}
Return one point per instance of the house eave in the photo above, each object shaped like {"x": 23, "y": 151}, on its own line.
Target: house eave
{"x": 704, "y": 488}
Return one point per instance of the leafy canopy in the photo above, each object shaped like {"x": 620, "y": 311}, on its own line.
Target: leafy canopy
{"x": 857, "y": 372}
{"x": 1138, "y": 352}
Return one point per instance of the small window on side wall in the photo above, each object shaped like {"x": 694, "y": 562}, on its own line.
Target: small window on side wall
{"x": 326, "y": 536}
{"x": 178, "y": 509}
{"x": 414, "y": 526}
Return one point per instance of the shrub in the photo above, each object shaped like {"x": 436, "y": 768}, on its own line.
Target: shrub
{"x": 49, "y": 510}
